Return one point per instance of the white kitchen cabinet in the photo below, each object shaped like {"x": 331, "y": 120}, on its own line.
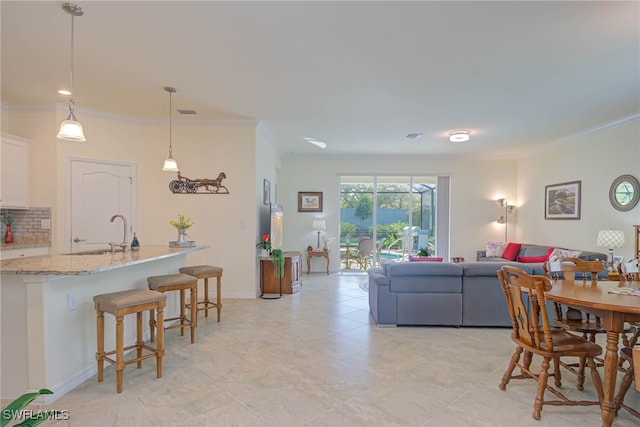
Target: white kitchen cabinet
{"x": 14, "y": 176}
{"x": 23, "y": 252}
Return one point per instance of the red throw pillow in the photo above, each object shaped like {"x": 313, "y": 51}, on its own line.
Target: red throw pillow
{"x": 511, "y": 251}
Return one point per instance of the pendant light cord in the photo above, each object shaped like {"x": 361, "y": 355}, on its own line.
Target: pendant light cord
{"x": 71, "y": 101}
{"x": 170, "y": 127}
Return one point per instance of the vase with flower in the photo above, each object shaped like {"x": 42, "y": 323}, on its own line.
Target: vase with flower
{"x": 182, "y": 224}
{"x": 264, "y": 245}
{"x": 7, "y": 219}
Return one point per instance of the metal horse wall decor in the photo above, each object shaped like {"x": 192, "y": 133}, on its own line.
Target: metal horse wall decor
{"x": 193, "y": 186}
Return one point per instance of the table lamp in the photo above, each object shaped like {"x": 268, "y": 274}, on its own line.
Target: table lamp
{"x": 610, "y": 239}
{"x": 319, "y": 225}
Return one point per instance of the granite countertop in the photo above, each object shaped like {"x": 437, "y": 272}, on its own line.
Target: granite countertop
{"x": 24, "y": 245}
{"x": 64, "y": 264}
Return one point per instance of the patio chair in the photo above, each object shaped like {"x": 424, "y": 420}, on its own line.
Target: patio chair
{"x": 533, "y": 335}
{"x": 362, "y": 256}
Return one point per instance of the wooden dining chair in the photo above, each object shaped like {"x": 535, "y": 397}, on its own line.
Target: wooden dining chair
{"x": 533, "y": 335}
{"x": 630, "y": 272}
{"x": 627, "y": 358}
{"x": 576, "y": 321}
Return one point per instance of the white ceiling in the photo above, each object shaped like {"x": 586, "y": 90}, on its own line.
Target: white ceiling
{"x": 358, "y": 75}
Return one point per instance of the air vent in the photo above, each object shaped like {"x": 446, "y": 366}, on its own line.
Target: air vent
{"x": 192, "y": 112}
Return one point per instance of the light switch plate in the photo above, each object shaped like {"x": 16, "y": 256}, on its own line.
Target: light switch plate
{"x": 45, "y": 224}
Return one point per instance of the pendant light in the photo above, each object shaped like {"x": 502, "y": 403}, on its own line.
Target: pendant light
{"x": 71, "y": 129}
{"x": 170, "y": 164}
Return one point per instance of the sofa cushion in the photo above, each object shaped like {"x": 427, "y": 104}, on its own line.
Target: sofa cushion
{"x": 534, "y": 250}
{"x": 511, "y": 251}
{"x": 489, "y": 268}
{"x": 424, "y": 277}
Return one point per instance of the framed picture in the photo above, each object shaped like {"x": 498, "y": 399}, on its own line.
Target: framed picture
{"x": 266, "y": 192}
{"x": 562, "y": 201}
{"x": 309, "y": 201}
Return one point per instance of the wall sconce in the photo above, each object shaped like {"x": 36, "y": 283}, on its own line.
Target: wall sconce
{"x": 610, "y": 239}
{"x": 319, "y": 225}
{"x": 504, "y": 219}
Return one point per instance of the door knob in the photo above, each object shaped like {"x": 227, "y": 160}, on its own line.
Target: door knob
{"x": 79, "y": 240}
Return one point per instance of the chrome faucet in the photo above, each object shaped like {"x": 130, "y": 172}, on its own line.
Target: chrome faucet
{"x": 124, "y": 245}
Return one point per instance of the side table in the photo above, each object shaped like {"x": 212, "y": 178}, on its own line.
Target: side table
{"x": 317, "y": 253}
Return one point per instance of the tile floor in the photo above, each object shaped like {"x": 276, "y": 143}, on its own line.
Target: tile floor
{"x": 316, "y": 359}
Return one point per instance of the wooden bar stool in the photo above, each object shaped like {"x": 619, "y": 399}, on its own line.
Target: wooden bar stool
{"x": 205, "y": 272}
{"x": 119, "y": 304}
{"x": 176, "y": 282}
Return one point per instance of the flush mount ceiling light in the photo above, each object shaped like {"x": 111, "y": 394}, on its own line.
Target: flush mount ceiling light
{"x": 316, "y": 142}
{"x": 170, "y": 164}
{"x": 71, "y": 129}
{"x": 459, "y": 136}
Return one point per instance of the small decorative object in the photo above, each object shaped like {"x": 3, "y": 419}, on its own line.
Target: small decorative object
{"x": 193, "y": 186}
{"x": 264, "y": 245}
{"x": 309, "y": 248}
{"x": 135, "y": 243}
{"x": 326, "y": 241}
{"x": 562, "y": 201}
{"x": 182, "y": 224}
{"x": 266, "y": 192}
{"x": 7, "y": 219}
{"x": 278, "y": 263}
{"x": 309, "y": 201}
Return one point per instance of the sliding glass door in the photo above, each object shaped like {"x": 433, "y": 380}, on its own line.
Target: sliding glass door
{"x": 397, "y": 213}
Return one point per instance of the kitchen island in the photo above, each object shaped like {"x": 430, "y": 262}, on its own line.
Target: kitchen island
{"x": 48, "y": 320}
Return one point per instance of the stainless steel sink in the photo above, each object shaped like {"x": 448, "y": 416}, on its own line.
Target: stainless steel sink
{"x": 94, "y": 252}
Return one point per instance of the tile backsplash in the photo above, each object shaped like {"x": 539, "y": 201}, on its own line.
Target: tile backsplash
{"x": 27, "y": 227}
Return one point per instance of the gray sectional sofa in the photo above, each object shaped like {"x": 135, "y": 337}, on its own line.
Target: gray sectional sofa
{"x": 443, "y": 293}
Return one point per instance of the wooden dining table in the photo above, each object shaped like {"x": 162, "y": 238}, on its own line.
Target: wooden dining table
{"x": 614, "y": 309}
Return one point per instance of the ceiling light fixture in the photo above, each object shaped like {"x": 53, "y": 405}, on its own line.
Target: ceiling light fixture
{"x": 71, "y": 129}
{"x": 459, "y": 136}
{"x": 316, "y": 142}
{"x": 170, "y": 164}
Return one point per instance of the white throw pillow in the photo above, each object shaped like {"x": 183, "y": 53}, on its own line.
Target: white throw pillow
{"x": 495, "y": 249}
{"x": 558, "y": 254}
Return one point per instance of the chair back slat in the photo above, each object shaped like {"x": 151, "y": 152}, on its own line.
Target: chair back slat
{"x": 530, "y": 322}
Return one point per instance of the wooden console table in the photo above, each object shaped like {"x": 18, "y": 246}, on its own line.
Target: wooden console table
{"x": 317, "y": 253}
{"x": 291, "y": 283}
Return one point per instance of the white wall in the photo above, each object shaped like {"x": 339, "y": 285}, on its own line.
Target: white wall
{"x": 475, "y": 185}
{"x": 596, "y": 159}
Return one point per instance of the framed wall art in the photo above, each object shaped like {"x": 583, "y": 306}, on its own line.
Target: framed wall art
{"x": 266, "y": 192}
{"x": 562, "y": 201}
{"x": 309, "y": 201}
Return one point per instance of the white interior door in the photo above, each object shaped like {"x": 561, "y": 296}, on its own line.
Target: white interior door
{"x": 99, "y": 190}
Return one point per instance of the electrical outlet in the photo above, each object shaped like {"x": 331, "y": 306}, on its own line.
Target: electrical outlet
{"x": 45, "y": 224}
{"x": 72, "y": 302}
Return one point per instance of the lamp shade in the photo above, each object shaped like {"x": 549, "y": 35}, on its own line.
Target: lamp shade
{"x": 71, "y": 130}
{"x": 610, "y": 238}
{"x": 170, "y": 165}
{"x": 319, "y": 225}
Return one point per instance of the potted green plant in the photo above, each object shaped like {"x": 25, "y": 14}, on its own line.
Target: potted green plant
{"x": 277, "y": 257}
